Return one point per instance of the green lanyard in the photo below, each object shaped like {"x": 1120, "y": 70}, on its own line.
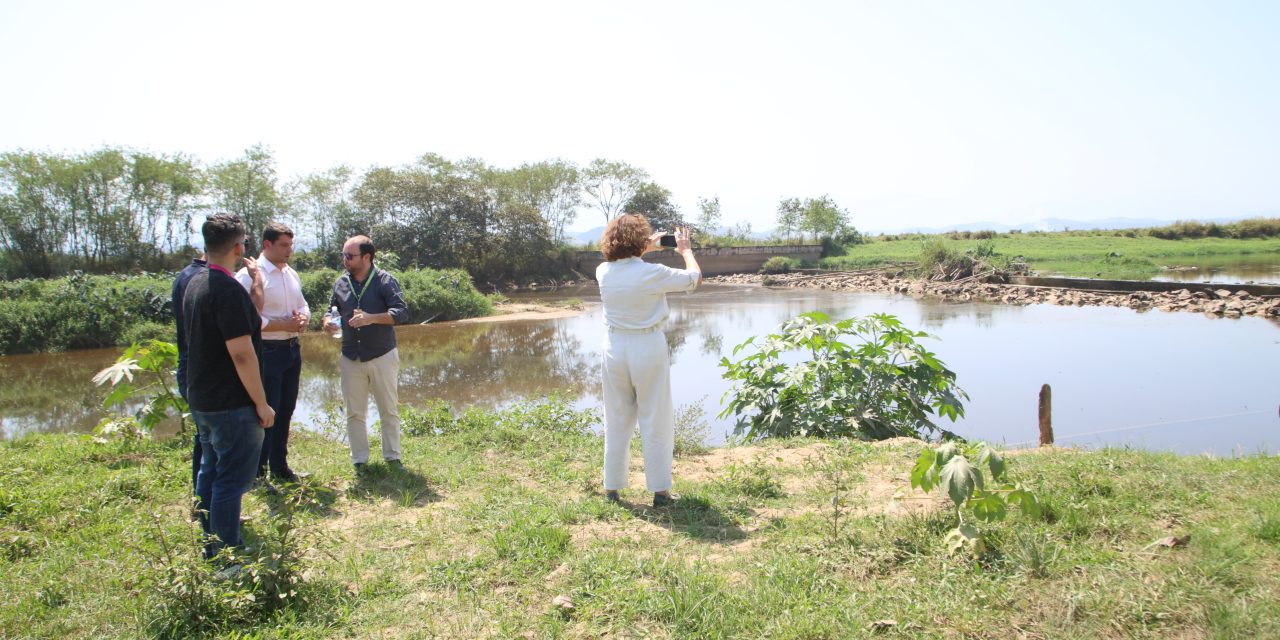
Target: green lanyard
{"x": 364, "y": 287}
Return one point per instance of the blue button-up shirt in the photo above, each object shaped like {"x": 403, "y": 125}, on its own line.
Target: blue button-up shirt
{"x": 383, "y": 296}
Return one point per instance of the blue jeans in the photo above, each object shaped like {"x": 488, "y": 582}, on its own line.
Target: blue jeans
{"x": 281, "y": 372}
{"x": 231, "y": 442}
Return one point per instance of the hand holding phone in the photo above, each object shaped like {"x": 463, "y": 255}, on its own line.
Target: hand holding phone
{"x": 667, "y": 240}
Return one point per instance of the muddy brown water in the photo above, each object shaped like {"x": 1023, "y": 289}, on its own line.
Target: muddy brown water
{"x": 1163, "y": 381}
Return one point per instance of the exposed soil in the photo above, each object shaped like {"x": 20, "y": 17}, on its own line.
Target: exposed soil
{"x": 522, "y": 311}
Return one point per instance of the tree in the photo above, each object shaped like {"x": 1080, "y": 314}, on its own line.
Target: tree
{"x": 654, "y": 203}
{"x": 323, "y": 201}
{"x": 790, "y": 216}
{"x": 163, "y": 192}
{"x": 823, "y": 218}
{"x": 611, "y": 184}
{"x": 708, "y": 215}
{"x": 552, "y": 187}
{"x": 33, "y": 216}
{"x": 247, "y": 187}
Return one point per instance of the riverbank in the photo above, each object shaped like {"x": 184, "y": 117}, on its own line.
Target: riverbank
{"x": 512, "y": 311}
{"x": 1130, "y": 254}
{"x": 84, "y": 312}
{"x": 497, "y": 529}
{"x": 1223, "y": 302}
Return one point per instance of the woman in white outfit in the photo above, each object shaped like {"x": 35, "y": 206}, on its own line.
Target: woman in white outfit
{"x": 637, "y": 369}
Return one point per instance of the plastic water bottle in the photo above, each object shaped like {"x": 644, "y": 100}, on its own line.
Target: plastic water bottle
{"x": 336, "y": 318}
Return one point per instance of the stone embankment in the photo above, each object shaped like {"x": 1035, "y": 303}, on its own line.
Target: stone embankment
{"x": 1221, "y": 302}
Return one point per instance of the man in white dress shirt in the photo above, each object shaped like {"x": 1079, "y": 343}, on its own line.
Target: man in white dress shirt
{"x": 276, "y": 290}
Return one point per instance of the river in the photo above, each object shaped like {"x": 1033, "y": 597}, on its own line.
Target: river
{"x": 1164, "y": 381}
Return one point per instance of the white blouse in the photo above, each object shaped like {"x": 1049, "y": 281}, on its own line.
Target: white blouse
{"x": 634, "y": 292}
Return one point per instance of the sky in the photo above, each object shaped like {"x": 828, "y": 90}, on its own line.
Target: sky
{"x": 906, "y": 112}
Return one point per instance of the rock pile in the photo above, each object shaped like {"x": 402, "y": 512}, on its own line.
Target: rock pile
{"x": 1222, "y": 302}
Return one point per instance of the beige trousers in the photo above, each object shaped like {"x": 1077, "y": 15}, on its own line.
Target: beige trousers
{"x": 637, "y": 392}
{"x": 358, "y": 380}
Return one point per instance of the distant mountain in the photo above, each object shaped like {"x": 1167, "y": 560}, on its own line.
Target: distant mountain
{"x": 585, "y": 237}
{"x": 1048, "y": 224}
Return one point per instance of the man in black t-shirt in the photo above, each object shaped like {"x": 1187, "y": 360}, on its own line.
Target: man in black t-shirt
{"x": 224, "y": 381}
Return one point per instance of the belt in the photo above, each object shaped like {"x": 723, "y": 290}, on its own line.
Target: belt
{"x": 654, "y": 328}
{"x": 280, "y": 343}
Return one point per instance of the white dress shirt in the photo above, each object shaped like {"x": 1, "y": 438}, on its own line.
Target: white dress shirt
{"x": 634, "y": 292}
{"x": 281, "y": 295}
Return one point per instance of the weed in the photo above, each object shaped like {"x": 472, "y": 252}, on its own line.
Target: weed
{"x": 691, "y": 429}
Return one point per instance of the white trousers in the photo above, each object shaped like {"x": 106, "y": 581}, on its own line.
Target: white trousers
{"x": 637, "y": 388}
{"x": 378, "y": 375}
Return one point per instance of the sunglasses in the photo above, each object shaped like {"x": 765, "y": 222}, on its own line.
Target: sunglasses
{"x": 350, "y": 256}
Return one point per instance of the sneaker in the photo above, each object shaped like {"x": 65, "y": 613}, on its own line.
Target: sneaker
{"x": 265, "y": 485}
{"x": 661, "y": 500}
{"x": 288, "y": 477}
{"x": 612, "y": 496}
{"x": 228, "y": 573}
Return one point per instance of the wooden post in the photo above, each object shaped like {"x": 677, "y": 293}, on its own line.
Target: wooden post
{"x": 1046, "y": 416}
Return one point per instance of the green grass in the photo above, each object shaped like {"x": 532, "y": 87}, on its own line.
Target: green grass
{"x": 1097, "y": 254}
{"x": 499, "y": 513}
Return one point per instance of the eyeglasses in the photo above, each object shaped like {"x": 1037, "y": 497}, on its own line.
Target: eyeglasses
{"x": 350, "y": 256}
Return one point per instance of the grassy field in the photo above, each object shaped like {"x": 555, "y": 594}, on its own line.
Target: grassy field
{"x": 498, "y": 514}
{"x": 1101, "y": 254}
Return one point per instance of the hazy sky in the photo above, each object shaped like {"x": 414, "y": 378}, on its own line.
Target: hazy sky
{"x": 907, "y": 113}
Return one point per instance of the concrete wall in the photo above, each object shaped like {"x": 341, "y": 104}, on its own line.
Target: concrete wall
{"x": 713, "y": 261}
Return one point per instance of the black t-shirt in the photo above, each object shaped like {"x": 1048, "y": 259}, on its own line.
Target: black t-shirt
{"x": 216, "y": 309}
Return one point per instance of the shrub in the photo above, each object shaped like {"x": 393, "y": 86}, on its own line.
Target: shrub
{"x": 988, "y": 499}
{"x": 779, "y": 264}
{"x": 148, "y": 330}
{"x": 691, "y": 429}
{"x": 882, "y": 385}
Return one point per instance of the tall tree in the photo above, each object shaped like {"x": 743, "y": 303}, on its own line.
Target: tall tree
{"x": 323, "y": 203}
{"x": 708, "y": 215}
{"x": 654, "y": 203}
{"x": 611, "y": 184}
{"x": 33, "y": 216}
{"x": 823, "y": 218}
{"x": 552, "y": 187}
{"x": 247, "y": 187}
{"x": 790, "y": 217}
{"x": 163, "y": 192}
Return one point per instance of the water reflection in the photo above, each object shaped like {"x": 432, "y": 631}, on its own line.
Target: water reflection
{"x": 1261, "y": 269}
{"x": 1187, "y": 382}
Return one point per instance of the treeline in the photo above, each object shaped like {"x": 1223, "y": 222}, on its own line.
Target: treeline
{"x": 122, "y": 210}
{"x": 86, "y": 311}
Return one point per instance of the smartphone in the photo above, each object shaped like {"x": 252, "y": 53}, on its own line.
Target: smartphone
{"x": 667, "y": 240}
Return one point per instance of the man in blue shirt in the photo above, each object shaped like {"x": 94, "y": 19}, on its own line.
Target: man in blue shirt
{"x": 179, "y": 289}
{"x": 370, "y": 304}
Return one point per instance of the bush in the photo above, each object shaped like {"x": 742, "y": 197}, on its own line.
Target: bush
{"x": 431, "y": 294}
{"x": 79, "y": 311}
{"x": 884, "y": 385}
{"x": 779, "y": 264}
{"x": 148, "y": 330}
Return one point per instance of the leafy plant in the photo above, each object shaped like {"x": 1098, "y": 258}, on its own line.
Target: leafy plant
{"x": 865, "y": 377}
{"x": 153, "y": 363}
{"x": 966, "y": 483}
{"x": 691, "y": 429}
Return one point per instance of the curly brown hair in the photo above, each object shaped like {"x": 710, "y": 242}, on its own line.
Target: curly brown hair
{"x": 626, "y": 236}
